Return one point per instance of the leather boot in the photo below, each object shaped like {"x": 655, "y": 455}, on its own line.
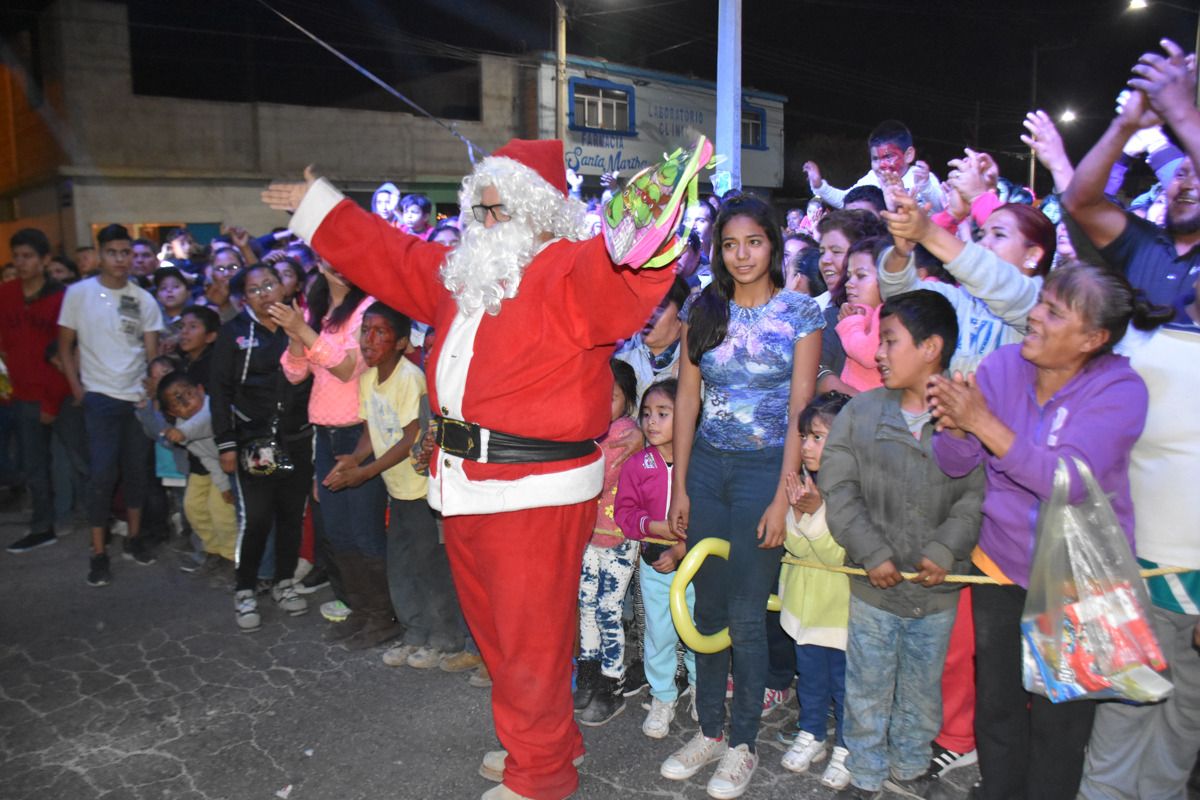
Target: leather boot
{"x": 381, "y": 625}
{"x": 349, "y": 566}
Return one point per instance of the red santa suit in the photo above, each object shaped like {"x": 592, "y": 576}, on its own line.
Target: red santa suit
{"x": 515, "y": 532}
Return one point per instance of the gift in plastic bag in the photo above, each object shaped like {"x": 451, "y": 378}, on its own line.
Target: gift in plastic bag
{"x": 1085, "y": 630}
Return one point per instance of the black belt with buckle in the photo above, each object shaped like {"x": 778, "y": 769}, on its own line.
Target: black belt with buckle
{"x": 465, "y": 440}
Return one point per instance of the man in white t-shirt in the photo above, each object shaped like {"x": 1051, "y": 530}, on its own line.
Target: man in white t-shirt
{"x": 115, "y": 324}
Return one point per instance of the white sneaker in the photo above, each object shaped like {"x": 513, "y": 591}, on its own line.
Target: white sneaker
{"x": 733, "y": 773}
{"x": 425, "y": 658}
{"x": 803, "y": 753}
{"x": 335, "y": 610}
{"x": 658, "y": 721}
{"x": 286, "y": 598}
{"x": 689, "y": 759}
{"x": 248, "y": 619}
{"x": 398, "y": 656}
{"x": 836, "y": 776}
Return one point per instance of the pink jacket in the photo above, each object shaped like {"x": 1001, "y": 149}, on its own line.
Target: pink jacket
{"x": 643, "y": 492}
{"x": 860, "y": 340}
{"x": 333, "y": 402}
{"x": 621, "y": 441}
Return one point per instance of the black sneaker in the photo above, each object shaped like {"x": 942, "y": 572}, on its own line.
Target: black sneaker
{"x": 853, "y": 792}
{"x": 99, "y": 574}
{"x": 32, "y": 542}
{"x": 947, "y": 760}
{"x": 264, "y": 586}
{"x": 317, "y": 578}
{"x": 910, "y": 787}
{"x": 137, "y": 551}
{"x": 634, "y": 680}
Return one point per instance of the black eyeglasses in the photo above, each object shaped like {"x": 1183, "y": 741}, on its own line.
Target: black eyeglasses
{"x": 498, "y": 212}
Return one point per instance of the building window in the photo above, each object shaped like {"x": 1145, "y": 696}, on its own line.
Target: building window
{"x": 754, "y": 128}
{"x": 601, "y": 106}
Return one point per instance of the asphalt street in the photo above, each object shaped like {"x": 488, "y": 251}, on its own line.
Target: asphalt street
{"x": 145, "y": 689}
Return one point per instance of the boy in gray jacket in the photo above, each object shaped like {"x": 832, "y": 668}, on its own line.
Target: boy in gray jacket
{"x": 891, "y": 507}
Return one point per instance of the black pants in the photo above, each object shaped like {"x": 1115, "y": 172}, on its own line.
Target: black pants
{"x": 274, "y": 502}
{"x": 1029, "y": 748}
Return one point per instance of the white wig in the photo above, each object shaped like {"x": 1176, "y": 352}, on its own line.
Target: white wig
{"x": 487, "y": 265}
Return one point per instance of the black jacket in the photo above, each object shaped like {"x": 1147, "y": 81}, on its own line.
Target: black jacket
{"x": 245, "y": 395}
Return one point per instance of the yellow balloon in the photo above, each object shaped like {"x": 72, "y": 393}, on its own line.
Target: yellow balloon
{"x": 701, "y": 643}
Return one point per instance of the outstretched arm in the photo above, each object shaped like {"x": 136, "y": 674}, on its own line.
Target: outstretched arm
{"x": 395, "y": 267}
{"x": 1084, "y": 198}
{"x": 1169, "y": 83}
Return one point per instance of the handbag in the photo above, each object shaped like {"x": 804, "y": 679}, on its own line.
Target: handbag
{"x": 266, "y": 456}
{"x": 1085, "y": 631}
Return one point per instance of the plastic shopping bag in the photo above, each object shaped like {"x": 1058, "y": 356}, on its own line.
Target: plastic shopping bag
{"x": 1085, "y": 630}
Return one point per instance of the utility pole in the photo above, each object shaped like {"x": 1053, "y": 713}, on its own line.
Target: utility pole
{"x": 560, "y": 70}
{"x": 729, "y": 90}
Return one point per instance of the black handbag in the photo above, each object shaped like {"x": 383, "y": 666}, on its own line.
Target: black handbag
{"x": 266, "y": 456}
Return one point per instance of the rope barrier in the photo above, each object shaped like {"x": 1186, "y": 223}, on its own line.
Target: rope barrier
{"x": 716, "y": 642}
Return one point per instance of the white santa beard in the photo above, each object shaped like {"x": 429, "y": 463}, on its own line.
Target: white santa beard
{"x": 487, "y": 265}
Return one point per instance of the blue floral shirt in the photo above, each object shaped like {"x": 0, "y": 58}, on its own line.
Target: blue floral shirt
{"x": 748, "y": 377}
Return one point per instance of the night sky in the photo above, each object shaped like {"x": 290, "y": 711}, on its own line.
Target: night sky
{"x": 957, "y": 72}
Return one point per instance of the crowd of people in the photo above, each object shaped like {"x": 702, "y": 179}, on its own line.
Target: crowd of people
{"x": 886, "y": 380}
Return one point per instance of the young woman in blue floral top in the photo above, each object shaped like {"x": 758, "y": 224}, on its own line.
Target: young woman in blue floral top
{"x": 754, "y": 347}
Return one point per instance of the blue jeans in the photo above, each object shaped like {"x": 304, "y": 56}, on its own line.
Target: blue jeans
{"x": 35, "y": 453}
{"x": 116, "y": 446}
{"x": 68, "y": 462}
{"x": 822, "y": 678}
{"x": 893, "y": 692}
{"x": 354, "y": 518}
{"x": 660, "y": 638}
{"x": 729, "y": 491}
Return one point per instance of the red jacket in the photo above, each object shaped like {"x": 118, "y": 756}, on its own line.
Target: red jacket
{"x": 538, "y": 369}
{"x": 26, "y": 330}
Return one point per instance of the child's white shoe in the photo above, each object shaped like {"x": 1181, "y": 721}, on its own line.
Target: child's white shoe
{"x": 803, "y": 753}
{"x": 658, "y": 720}
{"x": 836, "y": 776}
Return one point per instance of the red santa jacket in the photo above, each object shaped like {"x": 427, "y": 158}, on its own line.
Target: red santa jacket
{"x": 539, "y": 368}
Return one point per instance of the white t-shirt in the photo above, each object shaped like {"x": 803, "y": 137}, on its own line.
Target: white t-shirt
{"x": 109, "y": 325}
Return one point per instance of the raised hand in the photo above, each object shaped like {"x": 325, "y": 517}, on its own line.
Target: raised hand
{"x": 908, "y": 222}
{"x": 1135, "y": 112}
{"x": 1168, "y": 82}
{"x": 1044, "y": 140}
{"x": 969, "y": 175}
{"x": 814, "y": 174}
{"x": 920, "y": 172}
{"x": 287, "y": 196}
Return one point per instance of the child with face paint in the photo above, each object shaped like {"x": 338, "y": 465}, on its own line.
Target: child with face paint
{"x": 890, "y": 148}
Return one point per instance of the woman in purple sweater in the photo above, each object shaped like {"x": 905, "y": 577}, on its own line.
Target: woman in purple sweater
{"x": 1061, "y": 393}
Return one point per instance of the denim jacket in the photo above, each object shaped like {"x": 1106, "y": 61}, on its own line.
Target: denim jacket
{"x": 886, "y": 498}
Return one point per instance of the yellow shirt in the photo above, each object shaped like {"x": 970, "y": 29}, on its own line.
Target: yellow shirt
{"x": 387, "y": 408}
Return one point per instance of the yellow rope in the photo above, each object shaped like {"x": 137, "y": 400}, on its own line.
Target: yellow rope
{"x": 972, "y": 579}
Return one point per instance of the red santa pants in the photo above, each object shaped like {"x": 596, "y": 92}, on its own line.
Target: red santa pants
{"x": 517, "y": 576}
{"x": 958, "y": 682}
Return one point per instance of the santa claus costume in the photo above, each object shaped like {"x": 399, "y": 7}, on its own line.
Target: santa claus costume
{"x": 519, "y": 374}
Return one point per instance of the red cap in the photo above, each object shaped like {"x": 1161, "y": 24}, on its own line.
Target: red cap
{"x": 543, "y": 156}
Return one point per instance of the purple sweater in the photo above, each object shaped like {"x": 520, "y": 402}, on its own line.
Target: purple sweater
{"x": 1096, "y": 417}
